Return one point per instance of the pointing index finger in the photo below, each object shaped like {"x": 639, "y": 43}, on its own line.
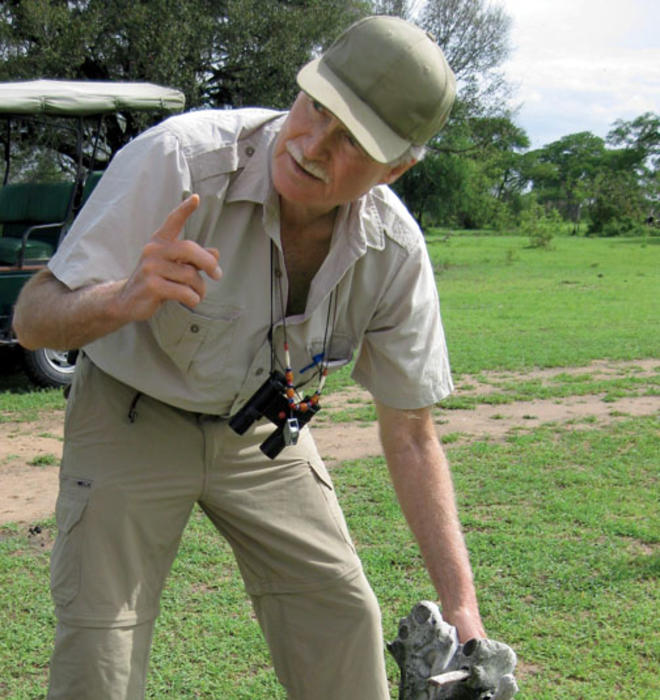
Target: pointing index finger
{"x": 177, "y": 218}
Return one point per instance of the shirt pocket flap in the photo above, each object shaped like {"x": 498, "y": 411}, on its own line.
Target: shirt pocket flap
{"x": 182, "y": 333}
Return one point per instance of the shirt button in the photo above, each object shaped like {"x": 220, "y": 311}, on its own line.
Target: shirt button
{"x": 259, "y": 371}
{"x": 249, "y": 151}
{"x": 194, "y": 328}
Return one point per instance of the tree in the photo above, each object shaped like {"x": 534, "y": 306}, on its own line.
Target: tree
{"x": 220, "y": 53}
{"x": 246, "y": 52}
{"x": 614, "y": 185}
{"x": 473, "y": 34}
{"x": 469, "y": 180}
{"x": 617, "y": 206}
{"x": 640, "y": 137}
{"x": 640, "y": 143}
{"x": 500, "y": 144}
{"x": 433, "y": 189}
{"x": 563, "y": 173}
{"x": 454, "y": 184}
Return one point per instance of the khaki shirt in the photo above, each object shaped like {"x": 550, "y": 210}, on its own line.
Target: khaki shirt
{"x": 212, "y": 358}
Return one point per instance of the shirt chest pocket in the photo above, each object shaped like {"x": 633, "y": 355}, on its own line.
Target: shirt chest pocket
{"x": 198, "y": 342}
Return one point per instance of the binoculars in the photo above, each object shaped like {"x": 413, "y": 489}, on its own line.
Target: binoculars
{"x": 269, "y": 401}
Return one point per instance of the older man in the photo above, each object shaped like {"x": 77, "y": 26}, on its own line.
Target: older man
{"x": 181, "y": 360}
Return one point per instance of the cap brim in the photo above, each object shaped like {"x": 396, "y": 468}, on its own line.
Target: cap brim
{"x": 370, "y": 131}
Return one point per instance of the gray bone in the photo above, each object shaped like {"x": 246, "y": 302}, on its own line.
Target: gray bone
{"x": 434, "y": 666}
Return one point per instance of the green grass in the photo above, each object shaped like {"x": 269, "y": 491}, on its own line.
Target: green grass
{"x": 508, "y": 306}
{"x": 47, "y": 460}
{"x": 563, "y": 530}
{"x": 583, "y": 299}
{"x": 352, "y": 414}
{"x": 26, "y": 405}
{"x": 557, "y": 387}
{"x": 562, "y": 524}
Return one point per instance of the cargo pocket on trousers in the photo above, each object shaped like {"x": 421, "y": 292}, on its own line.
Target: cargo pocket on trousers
{"x": 328, "y": 490}
{"x": 65, "y": 562}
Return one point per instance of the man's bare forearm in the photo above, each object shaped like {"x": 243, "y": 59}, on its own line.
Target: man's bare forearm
{"x": 422, "y": 480}
{"x": 49, "y": 314}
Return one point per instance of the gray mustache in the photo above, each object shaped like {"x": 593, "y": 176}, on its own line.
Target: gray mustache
{"x": 293, "y": 149}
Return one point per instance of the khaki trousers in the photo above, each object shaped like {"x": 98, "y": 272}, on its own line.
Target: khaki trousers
{"x": 127, "y": 489}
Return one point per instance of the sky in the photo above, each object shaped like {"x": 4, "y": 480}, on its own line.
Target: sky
{"x": 578, "y": 65}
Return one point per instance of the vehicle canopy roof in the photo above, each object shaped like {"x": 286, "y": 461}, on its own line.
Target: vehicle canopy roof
{"x": 84, "y": 98}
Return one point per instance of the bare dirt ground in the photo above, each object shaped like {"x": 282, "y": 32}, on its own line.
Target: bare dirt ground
{"x": 30, "y": 451}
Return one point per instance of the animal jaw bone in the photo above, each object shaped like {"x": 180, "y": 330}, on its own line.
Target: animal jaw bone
{"x": 434, "y": 666}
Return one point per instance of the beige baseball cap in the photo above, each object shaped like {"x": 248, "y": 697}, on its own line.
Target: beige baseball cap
{"x": 388, "y": 81}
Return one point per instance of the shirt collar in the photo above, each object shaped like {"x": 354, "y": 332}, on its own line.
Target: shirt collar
{"x": 254, "y": 155}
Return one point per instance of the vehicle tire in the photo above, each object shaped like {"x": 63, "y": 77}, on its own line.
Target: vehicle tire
{"x": 48, "y": 368}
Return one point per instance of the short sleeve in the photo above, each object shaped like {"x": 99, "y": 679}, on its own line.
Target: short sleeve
{"x": 143, "y": 183}
{"x": 403, "y": 361}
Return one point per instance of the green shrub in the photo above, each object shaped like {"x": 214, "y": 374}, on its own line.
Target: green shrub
{"x": 620, "y": 226}
{"x": 540, "y": 226}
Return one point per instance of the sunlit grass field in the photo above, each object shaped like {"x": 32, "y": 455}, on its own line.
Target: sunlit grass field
{"x": 562, "y": 525}
{"x": 507, "y": 305}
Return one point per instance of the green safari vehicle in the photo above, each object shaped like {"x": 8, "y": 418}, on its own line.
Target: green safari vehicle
{"x": 36, "y": 211}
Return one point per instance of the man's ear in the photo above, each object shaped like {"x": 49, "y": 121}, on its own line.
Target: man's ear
{"x": 396, "y": 172}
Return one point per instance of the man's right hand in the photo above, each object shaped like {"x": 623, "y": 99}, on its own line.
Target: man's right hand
{"x": 50, "y": 315}
{"x": 169, "y": 268}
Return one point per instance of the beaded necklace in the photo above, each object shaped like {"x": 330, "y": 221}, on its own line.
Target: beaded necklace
{"x": 321, "y": 361}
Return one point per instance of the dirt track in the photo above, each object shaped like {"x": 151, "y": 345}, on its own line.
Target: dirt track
{"x": 29, "y": 451}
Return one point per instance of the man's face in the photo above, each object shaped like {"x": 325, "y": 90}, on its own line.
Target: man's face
{"x": 318, "y": 164}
